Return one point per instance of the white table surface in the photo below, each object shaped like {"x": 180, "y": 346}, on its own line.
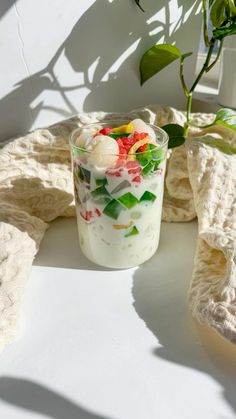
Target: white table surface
{"x": 102, "y": 344}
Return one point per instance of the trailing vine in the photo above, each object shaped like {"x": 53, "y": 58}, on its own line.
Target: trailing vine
{"x": 222, "y": 14}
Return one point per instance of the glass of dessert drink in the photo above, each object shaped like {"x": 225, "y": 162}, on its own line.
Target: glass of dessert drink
{"x": 118, "y": 170}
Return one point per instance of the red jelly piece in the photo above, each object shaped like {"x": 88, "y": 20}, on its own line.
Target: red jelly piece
{"x": 120, "y": 162}
{"x": 120, "y": 143}
{"x": 131, "y": 163}
{"x": 137, "y": 179}
{"x": 133, "y": 167}
{"x": 105, "y": 131}
{"x": 135, "y": 170}
{"x": 128, "y": 143}
{"x": 87, "y": 216}
{"x": 142, "y": 148}
{"x": 137, "y": 136}
{"x": 115, "y": 173}
{"x": 122, "y": 153}
{"x": 98, "y": 213}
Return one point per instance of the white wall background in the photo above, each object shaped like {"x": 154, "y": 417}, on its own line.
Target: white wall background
{"x": 59, "y": 58}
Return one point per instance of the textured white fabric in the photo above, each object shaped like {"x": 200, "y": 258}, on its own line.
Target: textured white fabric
{"x": 212, "y": 294}
{"x": 36, "y": 187}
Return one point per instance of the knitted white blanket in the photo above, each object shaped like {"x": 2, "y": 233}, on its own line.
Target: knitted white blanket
{"x": 36, "y": 187}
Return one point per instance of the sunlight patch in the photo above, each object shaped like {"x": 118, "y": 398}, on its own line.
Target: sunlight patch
{"x": 117, "y": 64}
{"x": 156, "y": 30}
{"x": 160, "y": 16}
{"x": 92, "y": 68}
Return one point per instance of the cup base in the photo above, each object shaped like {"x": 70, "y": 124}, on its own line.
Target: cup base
{"x": 120, "y": 266}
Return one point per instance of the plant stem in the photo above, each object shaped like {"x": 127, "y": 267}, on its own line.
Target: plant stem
{"x": 227, "y": 9}
{"x": 185, "y": 89}
{"x": 205, "y": 31}
{"x": 189, "y": 93}
{"x": 217, "y": 57}
{"x": 205, "y": 65}
{"x": 189, "y": 107}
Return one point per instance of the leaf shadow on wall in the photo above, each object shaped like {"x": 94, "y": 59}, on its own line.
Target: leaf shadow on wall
{"x": 34, "y": 397}
{"x": 6, "y": 5}
{"x": 105, "y": 46}
{"x": 116, "y": 46}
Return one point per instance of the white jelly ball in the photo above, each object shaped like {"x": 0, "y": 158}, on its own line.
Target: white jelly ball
{"x": 141, "y": 126}
{"x": 85, "y": 137}
{"x": 104, "y": 152}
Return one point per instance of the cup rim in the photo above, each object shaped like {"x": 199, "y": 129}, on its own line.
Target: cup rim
{"x": 164, "y": 136}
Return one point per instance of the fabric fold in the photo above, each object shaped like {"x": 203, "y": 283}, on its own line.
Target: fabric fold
{"x": 35, "y": 188}
{"x": 212, "y": 295}
{"x": 20, "y": 238}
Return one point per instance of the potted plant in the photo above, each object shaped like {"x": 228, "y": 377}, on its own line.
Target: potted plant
{"x": 222, "y": 14}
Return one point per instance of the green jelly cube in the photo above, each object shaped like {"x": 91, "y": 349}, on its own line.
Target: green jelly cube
{"x": 132, "y": 232}
{"x": 78, "y": 172}
{"x": 101, "y": 191}
{"x": 86, "y": 174}
{"x": 148, "y": 196}
{"x": 101, "y": 182}
{"x": 113, "y": 209}
{"x": 128, "y": 200}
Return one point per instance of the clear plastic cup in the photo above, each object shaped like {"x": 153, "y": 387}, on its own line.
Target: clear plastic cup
{"x": 118, "y": 199}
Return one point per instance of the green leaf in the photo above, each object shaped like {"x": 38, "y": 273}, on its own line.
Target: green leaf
{"x": 148, "y": 196}
{"x": 221, "y": 33}
{"x": 218, "y": 13}
{"x": 232, "y": 7}
{"x": 150, "y": 159}
{"x": 156, "y": 58}
{"x": 113, "y": 209}
{"x": 226, "y": 117}
{"x": 175, "y": 133}
{"x": 115, "y": 136}
{"x": 152, "y": 152}
{"x": 156, "y": 153}
{"x": 150, "y": 167}
{"x": 128, "y": 200}
{"x": 142, "y": 158}
{"x": 132, "y": 232}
